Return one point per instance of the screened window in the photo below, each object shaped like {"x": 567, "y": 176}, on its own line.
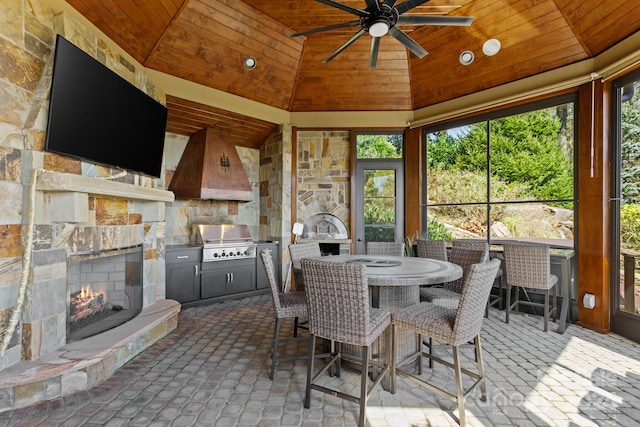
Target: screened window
{"x": 505, "y": 174}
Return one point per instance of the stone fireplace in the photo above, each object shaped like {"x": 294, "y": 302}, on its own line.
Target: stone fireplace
{"x": 76, "y": 221}
{"x": 105, "y": 290}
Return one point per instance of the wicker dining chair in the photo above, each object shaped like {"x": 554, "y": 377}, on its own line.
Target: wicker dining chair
{"x": 454, "y": 327}
{"x": 528, "y": 266}
{"x": 494, "y": 300}
{"x": 430, "y": 248}
{"x": 385, "y": 248}
{"x": 449, "y": 294}
{"x": 286, "y": 305}
{"x": 339, "y": 311}
{"x": 299, "y": 251}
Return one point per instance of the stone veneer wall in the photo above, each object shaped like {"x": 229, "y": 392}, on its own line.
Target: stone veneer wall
{"x": 275, "y": 190}
{"x": 324, "y": 175}
{"x": 65, "y": 223}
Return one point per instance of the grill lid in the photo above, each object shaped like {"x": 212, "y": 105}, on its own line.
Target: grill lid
{"x": 219, "y": 234}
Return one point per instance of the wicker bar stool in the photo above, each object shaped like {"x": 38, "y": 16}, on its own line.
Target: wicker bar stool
{"x": 340, "y": 311}
{"x": 434, "y": 249}
{"x": 454, "y": 327}
{"x": 286, "y": 306}
{"x": 449, "y": 294}
{"x": 529, "y": 266}
{"x": 493, "y": 299}
{"x": 385, "y": 248}
{"x": 298, "y": 251}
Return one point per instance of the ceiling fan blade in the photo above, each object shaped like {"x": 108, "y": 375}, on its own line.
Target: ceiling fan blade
{"x": 372, "y": 4}
{"x": 457, "y": 21}
{"x": 346, "y": 45}
{"x": 373, "y": 56}
{"x": 389, "y": 3}
{"x": 329, "y": 28}
{"x": 409, "y": 43}
{"x": 341, "y": 6}
{"x": 408, "y": 5}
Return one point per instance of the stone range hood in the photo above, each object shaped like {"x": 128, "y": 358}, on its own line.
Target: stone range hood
{"x": 210, "y": 168}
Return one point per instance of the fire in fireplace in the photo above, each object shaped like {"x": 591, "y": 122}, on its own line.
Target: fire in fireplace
{"x": 105, "y": 290}
{"x": 85, "y": 304}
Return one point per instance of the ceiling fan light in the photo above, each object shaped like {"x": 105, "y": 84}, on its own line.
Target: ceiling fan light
{"x": 379, "y": 28}
{"x": 491, "y": 47}
{"x": 466, "y": 57}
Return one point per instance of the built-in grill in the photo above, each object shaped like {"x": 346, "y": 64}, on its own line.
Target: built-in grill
{"x": 224, "y": 241}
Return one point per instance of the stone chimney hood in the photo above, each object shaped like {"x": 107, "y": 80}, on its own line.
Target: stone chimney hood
{"x": 210, "y": 168}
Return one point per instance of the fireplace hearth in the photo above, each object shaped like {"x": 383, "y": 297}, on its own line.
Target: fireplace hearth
{"x": 105, "y": 290}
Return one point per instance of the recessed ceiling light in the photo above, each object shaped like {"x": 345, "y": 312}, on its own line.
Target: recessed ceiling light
{"x": 491, "y": 47}
{"x": 250, "y": 63}
{"x": 466, "y": 57}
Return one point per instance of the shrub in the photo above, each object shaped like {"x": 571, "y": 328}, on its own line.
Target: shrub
{"x": 437, "y": 231}
{"x": 630, "y": 226}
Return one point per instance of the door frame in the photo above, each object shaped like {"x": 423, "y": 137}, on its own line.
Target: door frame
{"x": 361, "y": 165}
{"x": 623, "y": 323}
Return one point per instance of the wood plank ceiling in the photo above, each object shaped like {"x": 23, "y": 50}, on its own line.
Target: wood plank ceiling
{"x": 206, "y": 41}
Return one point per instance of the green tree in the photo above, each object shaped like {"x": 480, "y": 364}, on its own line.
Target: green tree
{"x": 630, "y": 149}
{"x": 525, "y": 148}
{"x": 442, "y": 150}
{"x": 379, "y": 146}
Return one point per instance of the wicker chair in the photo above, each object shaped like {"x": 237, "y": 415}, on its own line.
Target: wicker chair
{"x": 434, "y": 249}
{"x": 493, "y": 299}
{"x": 298, "y": 251}
{"x": 452, "y": 327}
{"x": 339, "y": 311}
{"x": 529, "y": 266}
{"x": 286, "y": 306}
{"x": 385, "y": 248}
{"x": 449, "y": 294}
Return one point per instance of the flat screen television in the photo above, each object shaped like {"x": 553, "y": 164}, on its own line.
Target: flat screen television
{"x": 97, "y": 116}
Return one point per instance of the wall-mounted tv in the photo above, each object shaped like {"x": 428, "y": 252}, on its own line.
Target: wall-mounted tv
{"x": 97, "y": 116}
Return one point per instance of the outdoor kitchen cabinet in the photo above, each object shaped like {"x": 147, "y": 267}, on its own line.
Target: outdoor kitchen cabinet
{"x": 183, "y": 274}
{"x": 221, "y": 278}
{"x": 262, "y": 282}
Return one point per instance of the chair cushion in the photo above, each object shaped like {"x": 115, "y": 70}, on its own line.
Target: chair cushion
{"x": 427, "y": 319}
{"x": 440, "y": 296}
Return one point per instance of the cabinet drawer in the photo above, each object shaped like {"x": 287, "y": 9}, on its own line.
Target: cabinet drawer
{"x": 190, "y": 255}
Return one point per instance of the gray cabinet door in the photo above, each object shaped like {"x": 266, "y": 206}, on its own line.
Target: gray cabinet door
{"x": 183, "y": 274}
{"x": 227, "y": 277}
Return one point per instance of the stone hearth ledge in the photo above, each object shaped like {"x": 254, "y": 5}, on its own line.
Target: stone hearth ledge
{"x": 60, "y": 181}
{"x": 83, "y": 364}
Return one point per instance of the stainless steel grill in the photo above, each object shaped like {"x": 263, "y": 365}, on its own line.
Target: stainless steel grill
{"x": 224, "y": 241}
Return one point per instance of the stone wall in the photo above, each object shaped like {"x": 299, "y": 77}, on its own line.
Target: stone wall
{"x": 60, "y": 223}
{"x": 323, "y": 171}
{"x": 65, "y": 223}
{"x": 275, "y": 190}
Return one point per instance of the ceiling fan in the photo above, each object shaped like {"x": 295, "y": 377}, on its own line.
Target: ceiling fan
{"x": 382, "y": 17}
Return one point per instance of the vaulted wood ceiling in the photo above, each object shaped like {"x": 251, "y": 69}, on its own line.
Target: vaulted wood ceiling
{"x": 206, "y": 41}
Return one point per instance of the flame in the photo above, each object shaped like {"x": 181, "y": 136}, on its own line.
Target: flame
{"x": 87, "y": 294}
